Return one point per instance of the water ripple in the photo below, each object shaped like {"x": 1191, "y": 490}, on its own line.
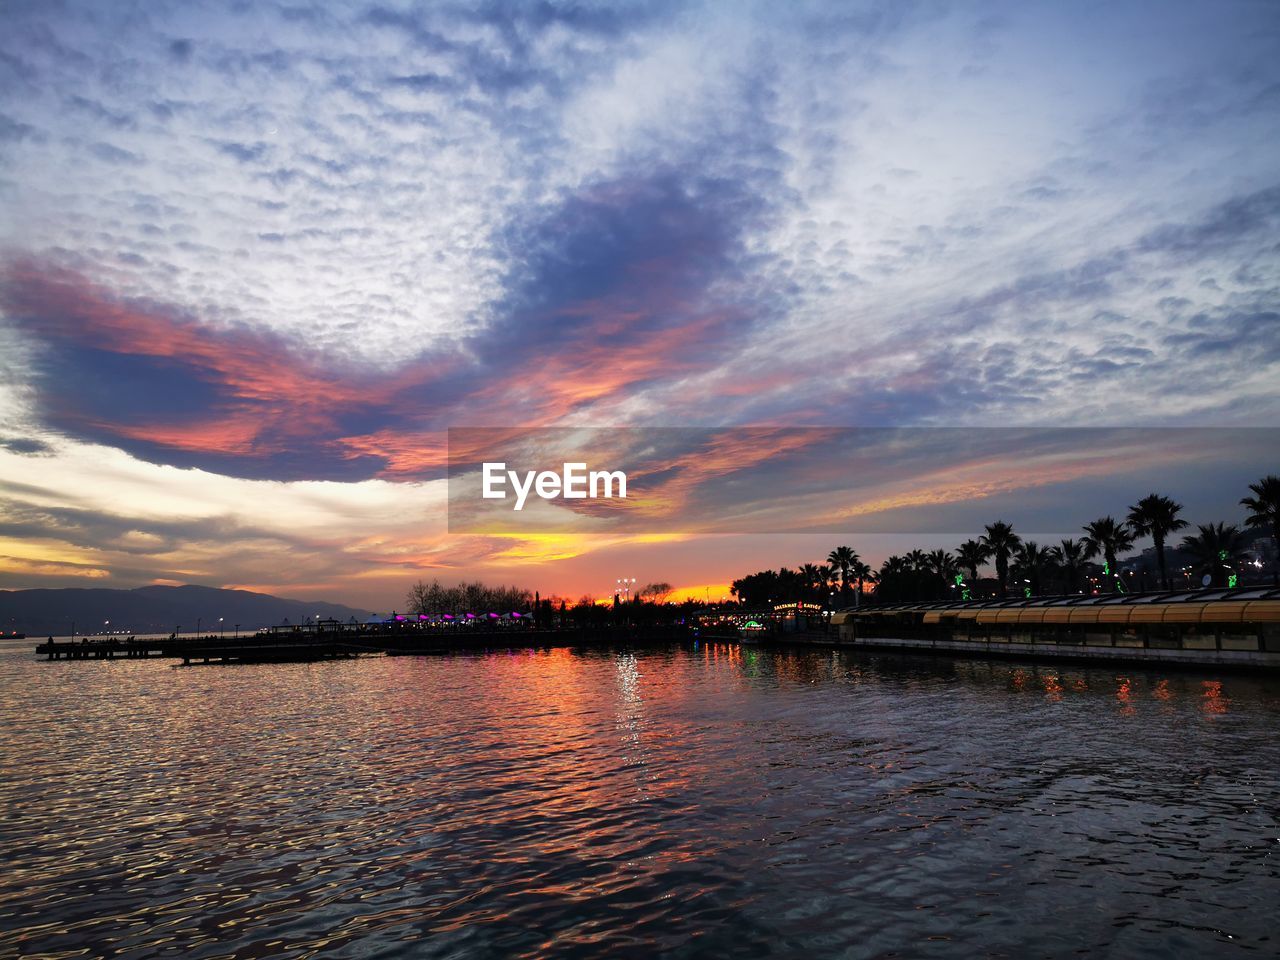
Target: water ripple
{"x": 693, "y": 802}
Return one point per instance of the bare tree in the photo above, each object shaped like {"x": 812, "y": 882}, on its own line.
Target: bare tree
{"x": 474, "y": 597}
{"x": 656, "y": 592}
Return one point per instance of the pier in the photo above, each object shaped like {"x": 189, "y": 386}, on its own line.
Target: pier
{"x": 345, "y": 641}
{"x": 109, "y": 648}
{"x": 1235, "y": 629}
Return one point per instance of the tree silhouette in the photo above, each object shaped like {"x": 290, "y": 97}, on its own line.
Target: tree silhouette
{"x": 842, "y": 560}
{"x": 1108, "y": 537}
{"x": 970, "y": 556}
{"x": 1069, "y": 555}
{"x": 1001, "y": 541}
{"x": 1216, "y": 548}
{"x": 1156, "y": 517}
{"x": 943, "y": 567}
{"x": 862, "y": 573}
{"x": 1032, "y": 561}
{"x": 1264, "y": 512}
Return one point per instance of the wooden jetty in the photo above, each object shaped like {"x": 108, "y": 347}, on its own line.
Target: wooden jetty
{"x": 296, "y": 645}
{"x": 109, "y": 648}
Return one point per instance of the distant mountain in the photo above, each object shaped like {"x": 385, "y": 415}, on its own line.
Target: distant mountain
{"x": 154, "y": 610}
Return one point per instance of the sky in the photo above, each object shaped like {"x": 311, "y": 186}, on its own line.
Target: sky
{"x": 257, "y": 259}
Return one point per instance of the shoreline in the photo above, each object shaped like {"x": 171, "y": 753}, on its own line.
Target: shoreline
{"x": 1234, "y": 661}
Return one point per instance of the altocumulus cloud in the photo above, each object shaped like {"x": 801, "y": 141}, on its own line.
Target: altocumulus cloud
{"x": 290, "y": 243}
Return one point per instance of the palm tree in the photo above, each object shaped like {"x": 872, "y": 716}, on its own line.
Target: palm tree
{"x": 1032, "y": 560}
{"x": 917, "y": 560}
{"x": 842, "y": 560}
{"x": 1156, "y": 517}
{"x": 943, "y": 566}
{"x": 811, "y": 578}
{"x": 970, "y": 556}
{"x": 1264, "y": 511}
{"x": 827, "y": 578}
{"x": 1000, "y": 541}
{"x": 1216, "y": 548}
{"x": 1108, "y": 537}
{"x": 792, "y": 584}
{"x": 894, "y": 579}
{"x": 1070, "y": 556}
{"x": 862, "y": 573}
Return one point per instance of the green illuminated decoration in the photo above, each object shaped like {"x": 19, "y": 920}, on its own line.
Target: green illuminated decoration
{"x": 965, "y": 595}
{"x": 959, "y": 579}
{"x": 1106, "y": 568}
{"x": 1222, "y": 555}
{"x": 1232, "y": 581}
{"x": 1026, "y": 592}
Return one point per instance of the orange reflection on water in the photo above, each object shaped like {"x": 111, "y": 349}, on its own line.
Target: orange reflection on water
{"x": 1052, "y": 688}
{"x": 1161, "y": 692}
{"x": 1124, "y": 693}
{"x": 1215, "y": 701}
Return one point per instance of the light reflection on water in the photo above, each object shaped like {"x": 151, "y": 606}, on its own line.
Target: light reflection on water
{"x": 711, "y": 800}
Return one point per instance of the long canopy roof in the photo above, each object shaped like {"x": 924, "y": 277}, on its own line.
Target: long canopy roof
{"x": 1245, "y": 605}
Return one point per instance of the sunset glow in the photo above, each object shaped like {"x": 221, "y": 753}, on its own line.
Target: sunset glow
{"x": 237, "y": 328}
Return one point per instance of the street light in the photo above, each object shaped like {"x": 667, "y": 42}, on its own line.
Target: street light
{"x": 222, "y": 632}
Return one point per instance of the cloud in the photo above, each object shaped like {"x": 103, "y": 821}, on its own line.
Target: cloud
{"x": 244, "y": 152}
{"x": 1222, "y": 228}
{"x": 112, "y": 154}
{"x": 284, "y": 243}
{"x": 613, "y": 291}
{"x": 13, "y": 130}
{"x": 25, "y": 445}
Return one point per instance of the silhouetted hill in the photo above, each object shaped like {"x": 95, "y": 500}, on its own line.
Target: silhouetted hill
{"x": 154, "y": 610}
